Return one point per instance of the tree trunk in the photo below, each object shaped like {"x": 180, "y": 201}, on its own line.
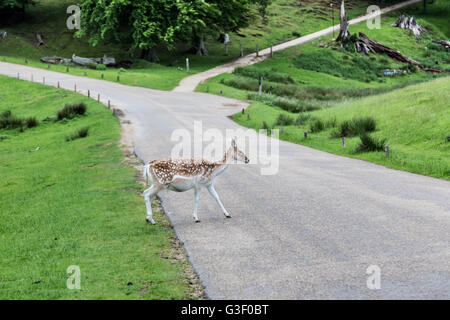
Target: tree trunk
{"x": 150, "y": 55}
{"x": 410, "y": 24}
{"x": 425, "y": 6}
{"x": 344, "y": 33}
{"x": 201, "y": 50}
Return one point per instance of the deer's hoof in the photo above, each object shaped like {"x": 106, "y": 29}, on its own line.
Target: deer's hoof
{"x": 150, "y": 221}
{"x": 228, "y": 217}
{"x": 197, "y": 221}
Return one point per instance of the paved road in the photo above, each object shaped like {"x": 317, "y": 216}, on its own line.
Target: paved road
{"x": 309, "y": 232}
{"x": 189, "y": 84}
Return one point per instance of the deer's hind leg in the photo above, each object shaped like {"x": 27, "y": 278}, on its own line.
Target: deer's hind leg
{"x": 214, "y": 194}
{"x": 148, "y": 195}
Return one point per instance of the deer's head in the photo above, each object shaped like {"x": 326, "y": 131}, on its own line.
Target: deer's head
{"x": 237, "y": 154}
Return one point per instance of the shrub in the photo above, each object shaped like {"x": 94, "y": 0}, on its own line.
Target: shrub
{"x": 81, "y": 133}
{"x": 331, "y": 123}
{"x": 317, "y": 125}
{"x": 101, "y": 67}
{"x": 92, "y": 65}
{"x": 370, "y": 144}
{"x": 357, "y": 126}
{"x": 447, "y": 138}
{"x": 284, "y": 120}
{"x": 31, "y": 122}
{"x": 302, "y": 119}
{"x": 70, "y": 111}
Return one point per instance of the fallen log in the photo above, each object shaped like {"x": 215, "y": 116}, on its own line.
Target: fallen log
{"x": 55, "y": 60}
{"x": 377, "y": 47}
{"x": 409, "y": 23}
{"x": 444, "y": 43}
{"x": 107, "y": 61}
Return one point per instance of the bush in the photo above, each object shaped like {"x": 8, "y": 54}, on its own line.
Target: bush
{"x": 317, "y": 125}
{"x": 92, "y": 65}
{"x": 70, "y": 111}
{"x": 101, "y": 67}
{"x": 357, "y": 126}
{"x": 284, "y": 120}
{"x": 81, "y": 133}
{"x": 370, "y": 144}
{"x": 31, "y": 122}
{"x": 302, "y": 119}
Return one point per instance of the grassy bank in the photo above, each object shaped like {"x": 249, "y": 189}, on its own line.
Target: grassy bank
{"x": 77, "y": 202}
{"x": 414, "y": 121}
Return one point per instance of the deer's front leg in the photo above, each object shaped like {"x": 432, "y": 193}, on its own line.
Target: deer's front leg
{"x": 196, "y": 197}
{"x": 214, "y": 194}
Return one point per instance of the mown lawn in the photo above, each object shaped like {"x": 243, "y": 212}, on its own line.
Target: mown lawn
{"x": 286, "y": 20}
{"x": 77, "y": 203}
{"x": 414, "y": 120}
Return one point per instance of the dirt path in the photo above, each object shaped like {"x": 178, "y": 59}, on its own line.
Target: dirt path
{"x": 189, "y": 84}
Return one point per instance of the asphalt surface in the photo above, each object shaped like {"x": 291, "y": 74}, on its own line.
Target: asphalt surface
{"x": 308, "y": 232}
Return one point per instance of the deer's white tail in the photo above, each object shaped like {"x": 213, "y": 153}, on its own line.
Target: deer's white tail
{"x": 146, "y": 173}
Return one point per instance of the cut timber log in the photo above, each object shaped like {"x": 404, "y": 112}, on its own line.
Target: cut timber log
{"x": 377, "y": 47}
{"x": 107, "y": 61}
{"x": 409, "y": 23}
{"x": 55, "y": 60}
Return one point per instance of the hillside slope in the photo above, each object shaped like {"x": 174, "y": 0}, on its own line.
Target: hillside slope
{"x": 414, "y": 120}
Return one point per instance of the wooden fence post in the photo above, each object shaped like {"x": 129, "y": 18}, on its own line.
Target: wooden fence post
{"x": 89, "y": 93}
{"x": 187, "y": 64}
{"x": 386, "y": 151}
{"x": 305, "y": 134}
{"x": 241, "y": 49}
{"x": 98, "y": 97}
{"x": 343, "y": 142}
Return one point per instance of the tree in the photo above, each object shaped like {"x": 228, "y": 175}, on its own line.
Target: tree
{"x": 8, "y": 6}
{"x": 142, "y": 24}
{"x": 199, "y": 17}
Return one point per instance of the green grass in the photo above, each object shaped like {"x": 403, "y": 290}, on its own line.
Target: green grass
{"x": 414, "y": 120}
{"x": 77, "y": 203}
{"x": 287, "y": 19}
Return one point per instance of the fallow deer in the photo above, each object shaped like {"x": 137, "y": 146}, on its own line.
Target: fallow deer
{"x": 181, "y": 175}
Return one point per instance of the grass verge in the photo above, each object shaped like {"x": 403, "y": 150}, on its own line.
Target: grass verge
{"x": 413, "y": 120}
{"x": 78, "y": 203}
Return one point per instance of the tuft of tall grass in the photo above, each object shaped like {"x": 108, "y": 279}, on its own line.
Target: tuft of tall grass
{"x": 269, "y": 75}
{"x": 316, "y": 125}
{"x": 81, "y": 133}
{"x": 31, "y": 122}
{"x": 70, "y": 111}
{"x": 356, "y": 126}
{"x": 284, "y": 120}
{"x": 370, "y": 144}
{"x": 288, "y": 104}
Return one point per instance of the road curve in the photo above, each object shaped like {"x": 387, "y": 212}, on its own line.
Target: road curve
{"x": 308, "y": 232}
{"x": 189, "y": 84}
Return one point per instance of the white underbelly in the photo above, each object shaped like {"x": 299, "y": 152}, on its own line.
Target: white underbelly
{"x": 181, "y": 186}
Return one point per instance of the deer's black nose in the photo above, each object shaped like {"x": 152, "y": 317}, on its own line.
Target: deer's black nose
{"x": 247, "y": 161}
